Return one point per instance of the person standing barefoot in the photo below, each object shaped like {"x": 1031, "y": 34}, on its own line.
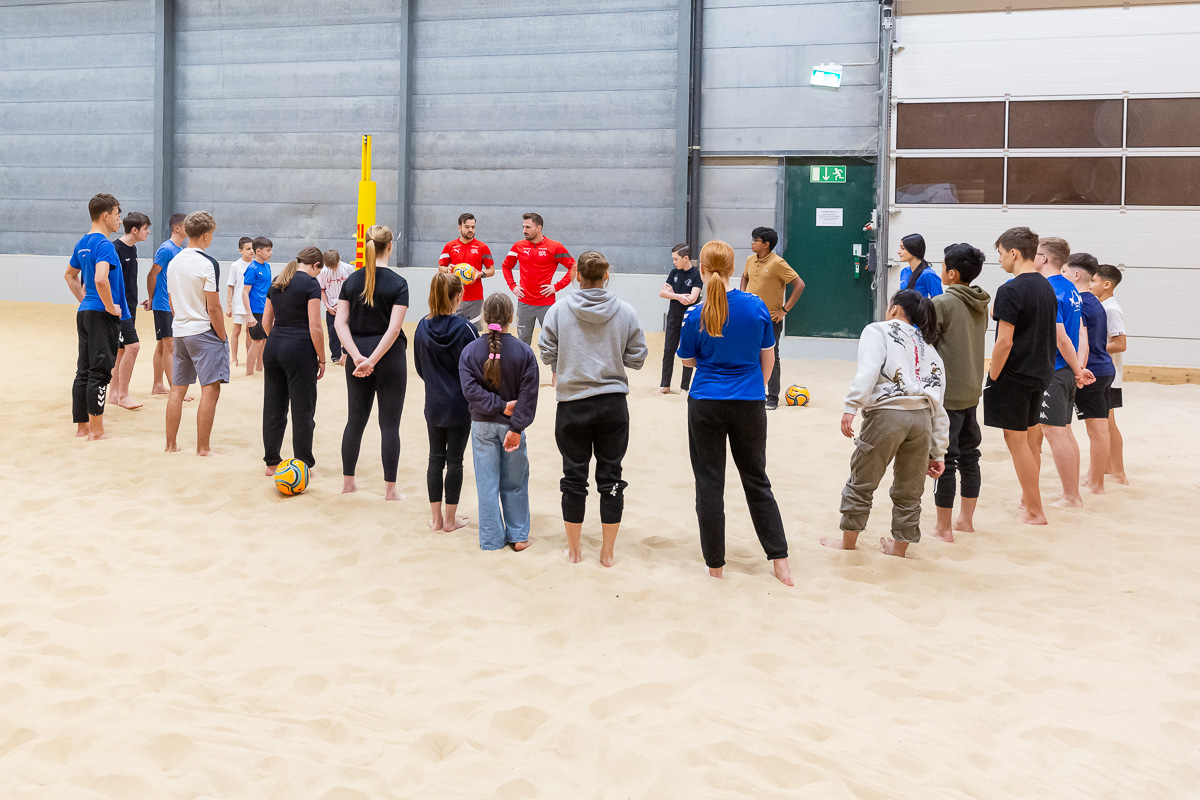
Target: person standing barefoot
{"x": 137, "y": 228}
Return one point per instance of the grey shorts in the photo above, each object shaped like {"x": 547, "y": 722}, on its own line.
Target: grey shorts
{"x": 471, "y": 309}
{"x": 526, "y": 314}
{"x": 202, "y": 357}
{"x": 1058, "y": 401}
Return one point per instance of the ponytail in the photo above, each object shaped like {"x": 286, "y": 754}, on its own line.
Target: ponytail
{"x": 378, "y": 239}
{"x": 716, "y": 259}
{"x": 914, "y": 243}
{"x": 916, "y": 273}
{"x": 498, "y": 311}
{"x": 919, "y": 311}
{"x": 443, "y": 291}
{"x": 284, "y": 278}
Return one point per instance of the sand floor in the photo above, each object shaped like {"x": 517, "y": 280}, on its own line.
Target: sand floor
{"x": 170, "y": 627}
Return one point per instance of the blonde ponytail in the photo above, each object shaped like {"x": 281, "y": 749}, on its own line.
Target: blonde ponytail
{"x": 378, "y": 239}
{"x": 284, "y": 278}
{"x": 443, "y": 291}
{"x": 716, "y": 259}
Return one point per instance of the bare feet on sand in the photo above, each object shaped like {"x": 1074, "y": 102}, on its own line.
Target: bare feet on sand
{"x": 159, "y": 390}
{"x": 964, "y": 524}
{"x": 82, "y": 429}
{"x": 129, "y": 404}
{"x": 944, "y": 534}
{"x": 718, "y": 572}
{"x": 1094, "y": 488}
{"x": 1068, "y": 502}
{"x": 348, "y": 484}
{"x": 1029, "y": 518}
{"x": 172, "y": 447}
{"x": 95, "y": 437}
{"x": 390, "y": 493}
{"x": 573, "y": 556}
{"x": 662, "y": 390}
{"x": 893, "y": 548}
{"x": 207, "y": 452}
{"x": 518, "y": 546}
{"x": 606, "y": 559}
{"x": 455, "y": 523}
{"x": 847, "y": 542}
{"x": 782, "y": 571}
{"x": 270, "y": 471}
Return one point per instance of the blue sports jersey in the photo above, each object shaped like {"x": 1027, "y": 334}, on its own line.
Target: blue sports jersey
{"x": 728, "y": 366}
{"x": 1069, "y": 312}
{"x": 90, "y": 251}
{"x": 929, "y": 282}
{"x": 1095, "y": 319}
{"x": 162, "y": 257}
{"x": 258, "y": 277}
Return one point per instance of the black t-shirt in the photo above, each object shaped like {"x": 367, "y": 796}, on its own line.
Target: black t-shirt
{"x": 1028, "y": 303}
{"x": 683, "y": 281}
{"x": 127, "y": 253}
{"x": 390, "y": 290}
{"x": 290, "y": 305}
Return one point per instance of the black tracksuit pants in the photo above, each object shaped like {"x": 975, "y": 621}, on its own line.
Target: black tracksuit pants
{"x": 388, "y": 382}
{"x": 962, "y": 456}
{"x": 289, "y": 378}
{"x": 99, "y": 337}
{"x": 674, "y": 326}
{"x": 446, "y": 448}
{"x": 335, "y": 344}
{"x": 743, "y": 423}
{"x": 599, "y": 425}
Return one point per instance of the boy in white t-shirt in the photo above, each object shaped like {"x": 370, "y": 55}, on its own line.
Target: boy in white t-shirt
{"x": 234, "y": 307}
{"x": 1104, "y": 283}
{"x": 330, "y": 280}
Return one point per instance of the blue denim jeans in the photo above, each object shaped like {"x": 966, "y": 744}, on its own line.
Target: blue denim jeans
{"x": 501, "y": 480}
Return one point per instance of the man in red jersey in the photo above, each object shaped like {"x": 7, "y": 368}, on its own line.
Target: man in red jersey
{"x": 466, "y": 249}
{"x": 539, "y": 258}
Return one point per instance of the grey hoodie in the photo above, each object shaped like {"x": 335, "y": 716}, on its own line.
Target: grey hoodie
{"x": 962, "y": 320}
{"x": 588, "y": 339}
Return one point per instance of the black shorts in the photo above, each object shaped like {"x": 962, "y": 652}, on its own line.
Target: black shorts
{"x": 1058, "y": 399}
{"x": 129, "y": 329}
{"x": 256, "y": 330}
{"x": 1092, "y": 401}
{"x": 1114, "y": 397}
{"x": 163, "y": 320}
{"x": 1010, "y": 404}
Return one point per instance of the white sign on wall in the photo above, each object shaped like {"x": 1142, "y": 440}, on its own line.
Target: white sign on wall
{"x": 829, "y": 217}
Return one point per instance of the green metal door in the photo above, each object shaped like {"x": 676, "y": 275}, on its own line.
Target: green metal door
{"x": 828, "y": 203}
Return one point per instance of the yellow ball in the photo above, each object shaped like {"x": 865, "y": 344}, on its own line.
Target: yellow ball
{"x": 291, "y": 477}
{"x": 465, "y": 273}
{"x": 796, "y": 395}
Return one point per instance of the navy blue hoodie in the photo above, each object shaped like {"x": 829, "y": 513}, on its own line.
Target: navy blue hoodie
{"x": 518, "y": 381}
{"x": 437, "y": 346}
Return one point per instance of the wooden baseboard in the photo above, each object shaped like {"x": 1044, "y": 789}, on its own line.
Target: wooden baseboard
{"x": 1170, "y": 376}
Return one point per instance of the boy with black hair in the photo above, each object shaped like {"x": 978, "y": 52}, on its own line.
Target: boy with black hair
{"x": 1091, "y": 401}
{"x": 962, "y": 319}
{"x": 1103, "y": 285}
{"x": 768, "y": 276}
{"x": 94, "y": 277}
{"x": 236, "y": 310}
{"x": 257, "y": 280}
{"x": 160, "y": 304}
{"x": 137, "y": 228}
{"x": 1025, "y": 311}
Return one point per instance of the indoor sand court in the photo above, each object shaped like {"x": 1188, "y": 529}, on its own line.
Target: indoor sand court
{"x": 173, "y": 628}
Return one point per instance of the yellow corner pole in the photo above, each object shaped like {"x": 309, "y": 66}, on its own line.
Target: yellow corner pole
{"x": 366, "y": 204}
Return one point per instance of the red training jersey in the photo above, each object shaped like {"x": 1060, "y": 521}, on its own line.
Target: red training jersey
{"x": 475, "y": 253}
{"x": 538, "y": 263}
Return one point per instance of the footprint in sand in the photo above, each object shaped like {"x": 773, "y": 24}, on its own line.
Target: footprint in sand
{"x": 519, "y": 723}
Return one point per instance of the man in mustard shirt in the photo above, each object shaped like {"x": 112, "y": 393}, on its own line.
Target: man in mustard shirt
{"x": 768, "y": 275}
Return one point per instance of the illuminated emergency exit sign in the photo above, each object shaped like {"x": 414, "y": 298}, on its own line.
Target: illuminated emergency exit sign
{"x": 827, "y": 175}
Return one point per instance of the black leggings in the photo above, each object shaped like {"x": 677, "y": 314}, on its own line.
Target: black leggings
{"x": 335, "y": 344}
{"x": 388, "y": 381}
{"x": 962, "y": 456}
{"x": 446, "y": 448}
{"x": 598, "y": 424}
{"x": 99, "y": 336}
{"x": 289, "y": 377}
{"x": 674, "y": 326}
{"x": 744, "y": 424}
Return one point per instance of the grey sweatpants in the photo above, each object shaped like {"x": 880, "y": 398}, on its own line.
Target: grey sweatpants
{"x": 526, "y": 315}
{"x": 889, "y": 434}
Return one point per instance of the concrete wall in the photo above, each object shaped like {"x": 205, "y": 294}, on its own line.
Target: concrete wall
{"x": 76, "y": 105}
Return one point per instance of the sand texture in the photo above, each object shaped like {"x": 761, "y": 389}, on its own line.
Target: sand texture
{"x": 171, "y": 627}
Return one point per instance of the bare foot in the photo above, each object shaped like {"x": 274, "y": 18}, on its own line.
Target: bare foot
{"x": 435, "y": 524}
{"x": 965, "y": 525}
{"x": 847, "y": 542}
{"x": 187, "y": 398}
{"x": 892, "y": 547}
{"x": 1068, "y": 502}
{"x": 207, "y": 453}
{"x": 573, "y": 556}
{"x": 128, "y": 404}
{"x": 348, "y": 484}
{"x": 945, "y": 535}
{"x": 718, "y": 572}
{"x": 1094, "y": 488}
{"x": 159, "y": 390}
{"x": 782, "y": 571}
{"x": 662, "y": 390}
{"x": 95, "y": 437}
{"x": 82, "y": 429}
{"x": 270, "y": 471}
{"x": 1031, "y": 519}
{"x": 606, "y": 559}
{"x": 172, "y": 447}
{"x": 1119, "y": 478}
{"x": 455, "y": 523}
{"x": 519, "y": 546}
{"x": 392, "y": 494}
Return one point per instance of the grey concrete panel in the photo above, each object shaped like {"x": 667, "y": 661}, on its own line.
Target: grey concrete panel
{"x": 71, "y": 183}
{"x": 730, "y": 187}
{"x": 274, "y": 185}
{"x": 547, "y": 34}
{"x": 302, "y": 151}
{"x": 75, "y": 150}
{"x": 76, "y": 52}
{"x": 644, "y": 69}
{"x": 568, "y": 110}
{"x": 253, "y": 15}
{"x": 468, "y": 10}
{"x": 61, "y": 243}
{"x": 783, "y": 140}
{"x": 768, "y": 25}
{"x": 291, "y": 82}
{"x": 292, "y": 220}
{"x": 785, "y": 66}
{"x": 88, "y": 116}
{"x": 573, "y": 187}
{"x": 482, "y": 149}
{"x": 288, "y": 44}
{"x": 115, "y": 84}
{"x": 355, "y": 115}
{"x": 97, "y": 18}
{"x": 43, "y": 217}
{"x": 789, "y": 107}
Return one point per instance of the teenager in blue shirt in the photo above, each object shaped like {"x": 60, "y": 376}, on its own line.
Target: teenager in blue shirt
{"x": 159, "y": 299}
{"x": 919, "y": 275}
{"x": 730, "y": 341}
{"x": 256, "y": 283}
{"x": 94, "y": 277}
{"x": 1092, "y": 401}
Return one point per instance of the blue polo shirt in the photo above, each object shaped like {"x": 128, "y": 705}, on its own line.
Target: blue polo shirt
{"x": 1069, "y": 312}
{"x": 929, "y": 282}
{"x": 90, "y": 251}
{"x": 728, "y": 366}
{"x": 162, "y": 257}
{"x": 258, "y": 277}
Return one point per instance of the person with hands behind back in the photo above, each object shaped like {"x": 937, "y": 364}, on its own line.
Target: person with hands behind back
{"x": 682, "y": 288}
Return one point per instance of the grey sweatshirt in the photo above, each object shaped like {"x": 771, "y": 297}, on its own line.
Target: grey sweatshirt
{"x": 588, "y": 339}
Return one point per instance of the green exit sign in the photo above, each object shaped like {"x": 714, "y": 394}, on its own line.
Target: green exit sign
{"x": 827, "y": 175}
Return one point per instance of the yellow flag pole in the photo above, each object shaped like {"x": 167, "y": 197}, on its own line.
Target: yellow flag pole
{"x": 366, "y": 204}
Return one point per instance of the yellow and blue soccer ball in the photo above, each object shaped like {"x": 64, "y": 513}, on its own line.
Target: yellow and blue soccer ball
{"x": 291, "y": 477}
{"x": 465, "y": 273}
{"x": 796, "y": 395}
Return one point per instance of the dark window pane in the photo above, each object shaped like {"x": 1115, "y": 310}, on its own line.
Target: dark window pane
{"x": 1065, "y": 123}
{"x": 1164, "y": 122}
{"x": 1162, "y": 181}
{"x": 1064, "y": 181}
{"x": 949, "y": 126}
{"x": 950, "y": 180}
